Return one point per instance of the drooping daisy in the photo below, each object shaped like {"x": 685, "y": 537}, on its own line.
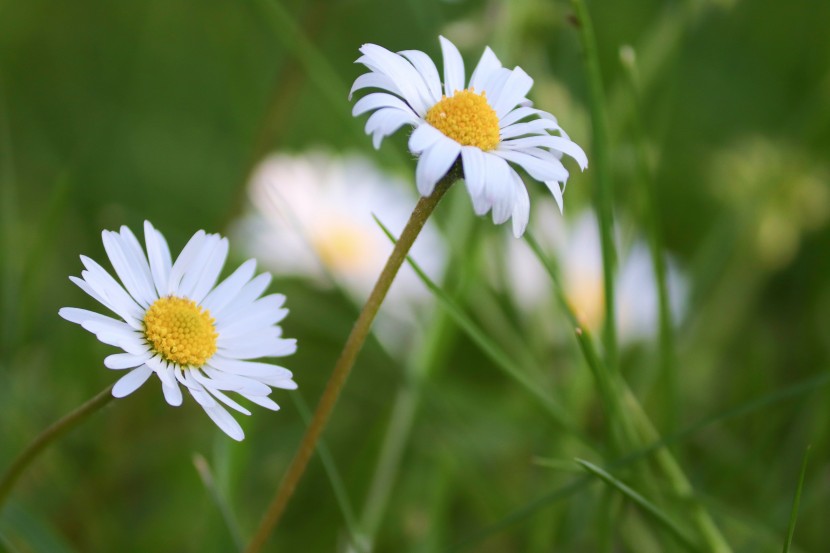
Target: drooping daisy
{"x": 489, "y": 123}
{"x": 312, "y": 216}
{"x": 174, "y": 322}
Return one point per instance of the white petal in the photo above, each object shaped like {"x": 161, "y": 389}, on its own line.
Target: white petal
{"x": 274, "y": 348}
{"x": 191, "y": 249}
{"x": 172, "y": 393}
{"x": 249, "y": 368}
{"x": 434, "y": 164}
{"x": 80, "y": 316}
{"x": 515, "y": 89}
{"x": 194, "y": 270}
{"x": 230, "y": 287}
{"x": 386, "y": 121}
{"x": 488, "y": 64}
{"x": 541, "y": 170}
{"x": 474, "y": 175}
{"x": 548, "y": 141}
{"x": 522, "y": 113}
{"x": 374, "y": 80}
{"x": 211, "y": 271}
{"x": 424, "y": 136}
{"x": 224, "y": 421}
{"x": 119, "y": 361}
{"x": 126, "y": 268}
{"x": 261, "y": 314}
{"x": 556, "y": 190}
{"x": 521, "y": 205}
{"x": 403, "y": 74}
{"x": 131, "y": 381}
{"x": 536, "y": 126}
{"x": 138, "y": 260}
{"x": 494, "y": 85}
{"x": 498, "y": 187}
{"x": 159, "y": 255}
{"x": 213, "y": 379}
{"x": 108, "y": 288}
{"x": 263, "y": 401}
{"x": 216, "y": 412}
{"x": 287, "y": 384}
{"x": 82, "y": 284}
{"x": 163, "y": 369}
{"x": 377, "y": 100}
{"x": 429, "y": 73}
{"x": 246, "y": 296}
{"x": 227, "y": 401}
{"x": 453, "y": 67}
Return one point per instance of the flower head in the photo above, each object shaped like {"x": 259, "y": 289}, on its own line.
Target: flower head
{"x": 175, "y": 322}
{"x": 489, "y": 123}
{"x": 312, "y": 217}
{"x": 576, "y": 245}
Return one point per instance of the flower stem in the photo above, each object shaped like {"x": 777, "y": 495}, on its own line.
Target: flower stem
{"x": 344, "y": 364}
{"x": 49, "y": 435}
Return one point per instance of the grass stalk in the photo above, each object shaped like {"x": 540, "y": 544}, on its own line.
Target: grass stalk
{"x": 645, "y": 171}
{"x": 796, "y": 501}
{"x": 647, "y": 506}
{"x": 604, "y": 191}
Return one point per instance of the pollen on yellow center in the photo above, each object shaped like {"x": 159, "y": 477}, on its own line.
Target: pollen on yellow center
{"x": 180, "y": 331}
{"x": 467, "y": 118}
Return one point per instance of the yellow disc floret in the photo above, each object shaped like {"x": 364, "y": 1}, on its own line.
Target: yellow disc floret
{"x": 467, "y": 118}
{"x": 180, "y": 331}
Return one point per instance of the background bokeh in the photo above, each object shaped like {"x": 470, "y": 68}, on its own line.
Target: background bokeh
{"x": 116, "y": 112}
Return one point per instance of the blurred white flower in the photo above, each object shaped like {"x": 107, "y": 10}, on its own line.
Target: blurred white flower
{"x": 489, "y": 123}
{"x": 313, "y": 217}
{"x": 578, "y": 251}
{"x": 174, "y": 322}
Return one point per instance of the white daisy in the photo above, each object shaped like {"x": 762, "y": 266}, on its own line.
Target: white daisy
{"x": 312, "y": 216}
{"x": 175, "y": 323}
{"x": 577, "y": 247}
{"x": 489, "y": 123}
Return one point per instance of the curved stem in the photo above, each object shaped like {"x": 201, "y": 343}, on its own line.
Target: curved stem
{"x": 49, "y": 435}
{"x": 344, "y": 364}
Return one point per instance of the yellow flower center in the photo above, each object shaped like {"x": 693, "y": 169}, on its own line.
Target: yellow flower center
{"x": 180, "y": 331}
{"x": 467, "y": 118}
{"x": 343, "y": 246}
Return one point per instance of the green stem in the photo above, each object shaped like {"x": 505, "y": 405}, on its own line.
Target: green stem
{"x": 668, "y": 372}
{"x": 49, "y": 435}
{"x": 434, "y": 349}
{"x": 604, "y": 197}
{"x": 647, "y": 506}
{"x": 680, "y": 485}
{"x": 345, "y": 362}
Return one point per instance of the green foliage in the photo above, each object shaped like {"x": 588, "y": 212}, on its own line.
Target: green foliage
{"x": 717, "y": 133}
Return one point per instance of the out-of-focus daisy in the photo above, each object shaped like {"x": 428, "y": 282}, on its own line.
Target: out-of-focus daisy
{"x": 488, "y": 122}
{"x": 577, "y": 248}
{"x": 313, "y": 216}
{"x": 174, "y": 322}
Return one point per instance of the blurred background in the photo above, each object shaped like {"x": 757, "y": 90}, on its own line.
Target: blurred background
{"x": 116, "y": 112}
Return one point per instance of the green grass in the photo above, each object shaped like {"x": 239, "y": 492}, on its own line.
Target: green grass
{"x": 715, "y": 140}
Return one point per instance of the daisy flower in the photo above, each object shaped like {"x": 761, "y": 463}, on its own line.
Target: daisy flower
{"x": 312, "y": 216}
{"x": 577, "y": 247}
{"x": 489, "y": 123}
{"x": 174, "y": 322}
